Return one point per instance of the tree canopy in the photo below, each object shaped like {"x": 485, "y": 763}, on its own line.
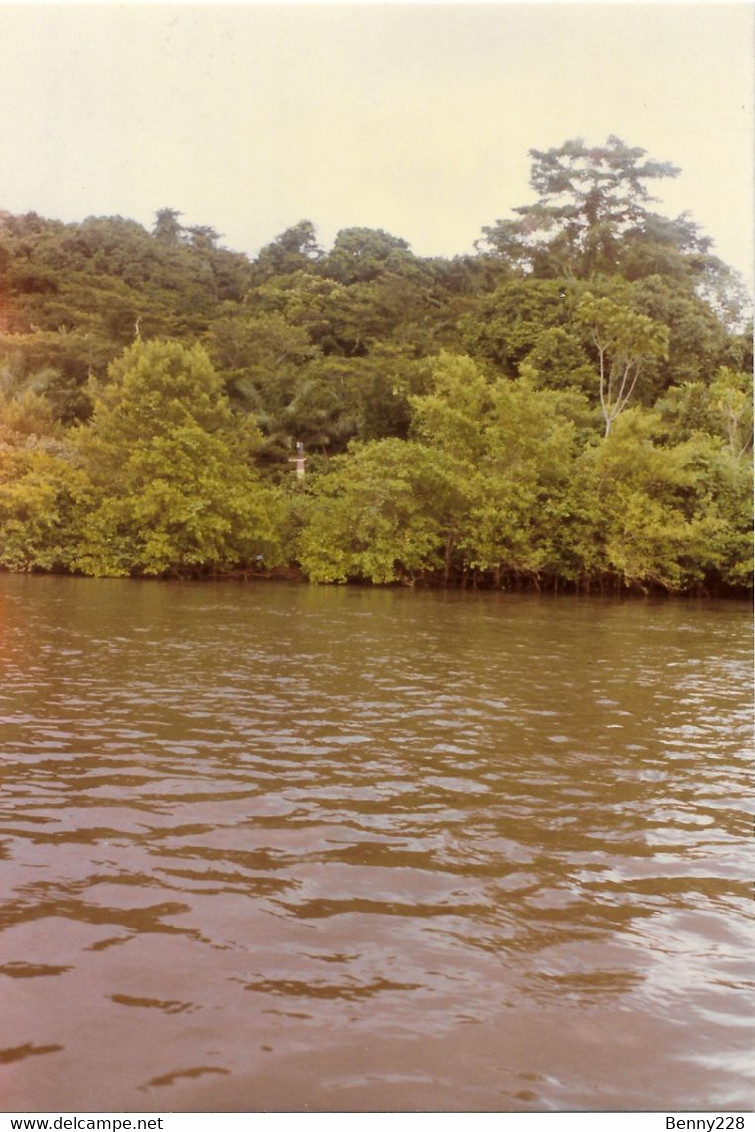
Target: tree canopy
{"x": 569, "y": 406}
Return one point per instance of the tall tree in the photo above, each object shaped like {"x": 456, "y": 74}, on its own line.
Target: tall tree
{"x": 167, "y": 228}
{"x": 296, "y": 249}
{"x": 520, "y": 495}
{"x": 172, "y": 489}
{"x": 362, "y": 254}
{"x": 623, "y": 340}
{"x": 590, "y": 198}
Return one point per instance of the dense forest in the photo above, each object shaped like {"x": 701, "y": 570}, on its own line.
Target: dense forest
{"x": 570, "y": 407}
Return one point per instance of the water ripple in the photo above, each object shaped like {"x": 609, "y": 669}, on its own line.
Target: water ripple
{"x": 254, "y": 831}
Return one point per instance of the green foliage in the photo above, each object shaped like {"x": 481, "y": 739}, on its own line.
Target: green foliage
{"x": 383, "y": 513}
{"x": 570, "y": 405}
{"x": 558, "y": 360}
{"x": 731, "y": 403}
{"x": 451, "y": 415}
{"x": 294, "y": 250}
{"x": 76, "y": 295}
{"x": 697, "y": 340}
{"x": 632, "y": 520}
{"x": 171, "y": 484}
{"x": 590, "y": 198}
{"x": 360, "y": 255}
{"x": 505, "y": 326}
{"x": 25, "y": 415}
{"x": 623, "y": 340}
{"x": 41, "y": 493}
{"x": 521, "y": 484}
{"x": 41, "y": 488}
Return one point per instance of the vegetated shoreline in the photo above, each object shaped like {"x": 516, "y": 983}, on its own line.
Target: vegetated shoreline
{"x": 611, "y": 589}
{"x": 568, "y": 409}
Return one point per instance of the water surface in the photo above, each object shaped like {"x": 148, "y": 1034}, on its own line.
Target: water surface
{"x": 289, "y": 848}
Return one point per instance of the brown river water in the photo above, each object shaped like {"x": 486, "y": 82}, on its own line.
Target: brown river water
{"x": 277, "y": 847}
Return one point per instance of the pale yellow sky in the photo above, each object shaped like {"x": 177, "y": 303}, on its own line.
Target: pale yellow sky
{"x": 416, "y": 118}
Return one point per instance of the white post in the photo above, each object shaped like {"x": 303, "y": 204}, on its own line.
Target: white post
{"x": 299, "y": 460}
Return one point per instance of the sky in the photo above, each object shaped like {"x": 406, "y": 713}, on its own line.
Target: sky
{"x": 412, "y": 117}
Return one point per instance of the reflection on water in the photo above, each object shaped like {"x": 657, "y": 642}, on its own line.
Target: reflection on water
{"x": 273, "y": 847}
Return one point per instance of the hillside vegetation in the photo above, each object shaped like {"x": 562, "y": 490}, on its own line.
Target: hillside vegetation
{"x": 569, "y": 407}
